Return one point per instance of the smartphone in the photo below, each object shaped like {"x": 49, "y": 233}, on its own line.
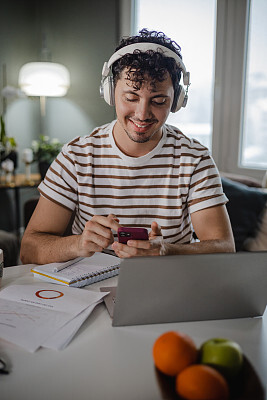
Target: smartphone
{"x": 125, "y": 234}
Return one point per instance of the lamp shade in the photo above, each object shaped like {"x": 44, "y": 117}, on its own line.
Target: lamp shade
{"x": 44, "y": 79}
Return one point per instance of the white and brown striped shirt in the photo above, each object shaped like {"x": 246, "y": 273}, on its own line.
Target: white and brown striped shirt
{"x": 177, "y": 178}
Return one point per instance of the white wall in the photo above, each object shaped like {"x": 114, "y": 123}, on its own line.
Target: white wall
{"x": 80, "y": 34}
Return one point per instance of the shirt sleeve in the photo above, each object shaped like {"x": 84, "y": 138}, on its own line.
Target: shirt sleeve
{"x": 205, "y": 187}
{"x": 60, "y": 183}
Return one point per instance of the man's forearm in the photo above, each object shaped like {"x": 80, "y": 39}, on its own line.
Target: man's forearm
{"x": 43, "y": 248}
{"x": 205, "y": 246}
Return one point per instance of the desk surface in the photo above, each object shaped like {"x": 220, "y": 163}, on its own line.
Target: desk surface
{"x": 103, "y": 362}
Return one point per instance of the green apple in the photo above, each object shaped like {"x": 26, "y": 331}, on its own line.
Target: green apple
{"x": 223, "y": 354}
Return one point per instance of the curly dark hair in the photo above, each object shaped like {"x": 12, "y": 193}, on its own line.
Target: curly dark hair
{"x": 151, "y": 63}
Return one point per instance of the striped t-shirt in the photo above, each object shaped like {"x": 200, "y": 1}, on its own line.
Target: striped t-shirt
{"x": 178, "y": 177}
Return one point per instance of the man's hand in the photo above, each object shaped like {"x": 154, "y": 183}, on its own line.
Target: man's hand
{"x": 135, "y": 248}
{"x": 44, "y": 241}
{"x": 97, "y": 234}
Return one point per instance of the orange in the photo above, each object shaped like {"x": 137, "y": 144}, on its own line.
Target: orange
{"x": 200, "y": 382}
{"x": 174, "y": 351}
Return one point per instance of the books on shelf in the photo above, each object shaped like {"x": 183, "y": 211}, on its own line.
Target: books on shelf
{"x": 79, "y": 271}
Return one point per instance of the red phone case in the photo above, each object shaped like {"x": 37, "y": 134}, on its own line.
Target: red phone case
{"x": 125, "y": 234}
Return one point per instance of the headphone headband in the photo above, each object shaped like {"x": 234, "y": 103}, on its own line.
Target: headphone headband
{"x": 143, "y": 47}
{"x": 107, "y": 89}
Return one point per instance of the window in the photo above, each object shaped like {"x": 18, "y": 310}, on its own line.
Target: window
{"x": 191, "y": 24}
{"x": 254, "y": 138}
{"x": 227, "y": 107}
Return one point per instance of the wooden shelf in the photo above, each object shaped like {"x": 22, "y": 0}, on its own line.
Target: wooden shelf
{"x": 19, "y": 180}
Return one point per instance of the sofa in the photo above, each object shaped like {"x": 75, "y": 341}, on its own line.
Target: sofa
{"x": 247, "y": 209}
{"x": 9, "y": 243}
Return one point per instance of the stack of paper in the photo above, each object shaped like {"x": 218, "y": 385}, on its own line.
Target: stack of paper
{"x": 44, "y": 315}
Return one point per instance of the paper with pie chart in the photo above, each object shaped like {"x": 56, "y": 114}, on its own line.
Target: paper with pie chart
{"x": 31, "y": 315}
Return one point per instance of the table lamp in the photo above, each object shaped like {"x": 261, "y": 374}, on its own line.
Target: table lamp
{"x": 44, "y": 79}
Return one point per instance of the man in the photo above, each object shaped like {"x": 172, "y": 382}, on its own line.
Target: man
{"x": 136, "y": 171}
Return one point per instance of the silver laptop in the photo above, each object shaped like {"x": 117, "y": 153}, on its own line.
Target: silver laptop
{"x": 189, "y": 288}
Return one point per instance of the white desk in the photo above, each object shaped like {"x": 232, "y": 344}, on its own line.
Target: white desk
{"x": 103, "y": 362}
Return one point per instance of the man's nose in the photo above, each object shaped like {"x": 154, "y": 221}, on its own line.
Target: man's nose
{"x": 143, "y": 110}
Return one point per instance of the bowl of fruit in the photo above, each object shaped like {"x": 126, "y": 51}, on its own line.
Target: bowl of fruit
{"x": 218, "y": 370}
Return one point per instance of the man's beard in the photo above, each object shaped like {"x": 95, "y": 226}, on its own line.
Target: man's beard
{"x": 141, "y": 138}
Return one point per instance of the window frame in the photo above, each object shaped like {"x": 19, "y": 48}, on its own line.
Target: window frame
{"x": 232, "y": 23}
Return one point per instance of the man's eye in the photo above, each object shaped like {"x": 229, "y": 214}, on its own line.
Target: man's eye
{"x": 131, "y": 99}
{"x": 159, "y": 102}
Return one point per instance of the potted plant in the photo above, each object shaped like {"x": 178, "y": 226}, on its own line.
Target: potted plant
{"x": 45, "y": 151}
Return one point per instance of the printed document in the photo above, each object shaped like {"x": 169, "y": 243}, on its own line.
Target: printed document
{"x": 32, "y": 315}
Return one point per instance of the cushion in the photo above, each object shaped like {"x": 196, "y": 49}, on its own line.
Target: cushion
{"x": 245, "y": 208}
{"x": 259, "y": 242}
{"x": 246, "y": 180}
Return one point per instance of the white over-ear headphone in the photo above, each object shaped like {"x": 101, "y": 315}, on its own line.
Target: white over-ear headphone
{"x": 107, "y": 82}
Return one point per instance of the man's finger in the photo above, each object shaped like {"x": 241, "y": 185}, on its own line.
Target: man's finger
{"x": 155, "y": 229}
{"x": 113, "y": 217}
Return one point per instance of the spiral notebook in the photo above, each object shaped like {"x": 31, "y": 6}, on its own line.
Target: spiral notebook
{"x": 80, "y": 271}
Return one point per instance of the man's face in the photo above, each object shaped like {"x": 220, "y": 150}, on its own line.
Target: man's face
{"x": 142, "y": 113}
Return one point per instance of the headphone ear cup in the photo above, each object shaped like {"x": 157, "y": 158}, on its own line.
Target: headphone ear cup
{"x": 178, "y": 101}
{"x": 108, "y": 90}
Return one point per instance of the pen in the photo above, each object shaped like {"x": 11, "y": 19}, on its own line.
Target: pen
{"x": 67, "y": 264}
